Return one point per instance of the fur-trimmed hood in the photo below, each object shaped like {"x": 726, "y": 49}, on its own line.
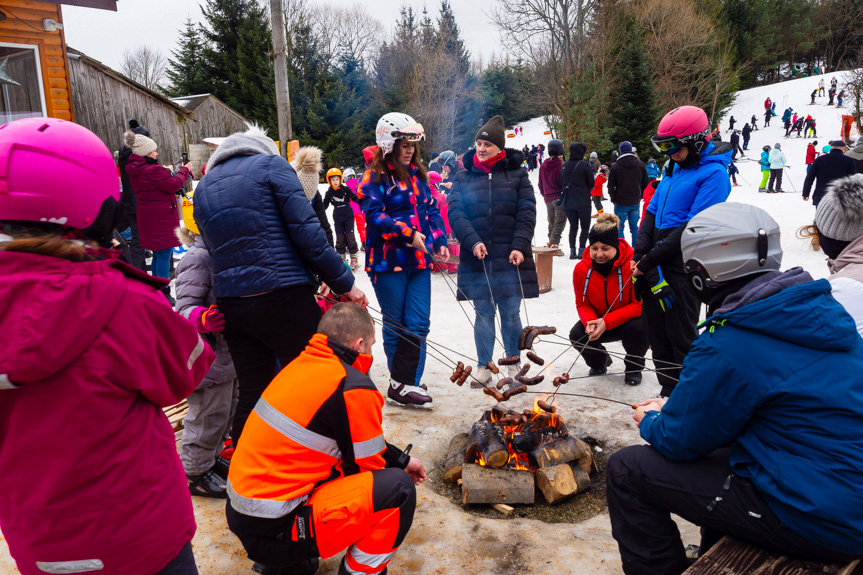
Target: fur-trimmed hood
{"x": 249, "y": 143}
{"x": 186, "y": 237}
{"x": 308, "y": 165}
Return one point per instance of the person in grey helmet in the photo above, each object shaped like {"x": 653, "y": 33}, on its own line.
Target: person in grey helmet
{"x": 550, "y": 188}
{"x": 745, "y": 436}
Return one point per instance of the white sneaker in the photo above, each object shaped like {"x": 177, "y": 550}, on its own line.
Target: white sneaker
{"x": 408, "y": 395}
{"x": 512, "y": 370}
{"x": 483, "y": 378}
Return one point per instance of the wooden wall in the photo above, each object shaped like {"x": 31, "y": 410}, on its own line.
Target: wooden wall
{"x": 213, "y": 119}
{"x": 52, "y": 48}
{"x": 105, "y": 102}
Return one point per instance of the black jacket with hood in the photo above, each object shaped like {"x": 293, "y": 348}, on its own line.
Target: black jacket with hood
{"x": 627, "y": 180}
{"x": 576, "y": 178}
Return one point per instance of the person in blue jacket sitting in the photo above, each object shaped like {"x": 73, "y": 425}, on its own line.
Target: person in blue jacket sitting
{"x": 695, "y": 179}
{"x": 761, "y": 438}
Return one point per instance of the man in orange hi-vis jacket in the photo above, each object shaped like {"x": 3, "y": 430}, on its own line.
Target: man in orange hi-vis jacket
{"x": 313, "y": 474}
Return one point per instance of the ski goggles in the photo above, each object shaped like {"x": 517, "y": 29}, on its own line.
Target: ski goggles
{"x": 413, "y": 133}
{"x": 669, "y": 145}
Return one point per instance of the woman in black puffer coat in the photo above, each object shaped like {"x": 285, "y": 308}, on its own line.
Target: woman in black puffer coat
{"x": 492, "y": 211}
{"x": 576, "y": 181}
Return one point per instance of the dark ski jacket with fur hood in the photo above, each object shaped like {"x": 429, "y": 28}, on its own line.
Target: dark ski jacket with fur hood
{"x": 499, "y": 210}
{"x": 262, "y": 232}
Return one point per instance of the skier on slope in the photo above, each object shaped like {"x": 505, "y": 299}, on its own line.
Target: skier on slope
{"x": 777, "y": 164}
{"x": 746, "y": 133}
{"x": 695, "y": 180}
{"x": 340, "y": 197}
{"x": 765, "y": 168}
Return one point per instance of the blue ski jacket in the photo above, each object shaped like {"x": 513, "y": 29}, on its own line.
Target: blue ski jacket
{"x": 765, "y": 161}
{"x": 779, "y": 380}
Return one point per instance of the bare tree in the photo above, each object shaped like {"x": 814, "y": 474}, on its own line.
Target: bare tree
{"x": 853, "y": 82}
{"x": 144, "y": 65}
{"x": 348, "y": 31}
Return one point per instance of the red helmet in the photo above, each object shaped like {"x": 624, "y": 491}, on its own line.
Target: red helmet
{"x": 682, "y": 126}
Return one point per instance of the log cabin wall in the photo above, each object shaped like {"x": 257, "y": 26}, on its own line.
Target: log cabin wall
{"x": 105, "y": 101}
{"x": 213, "y": 119}
{"x": 23, "y": 28}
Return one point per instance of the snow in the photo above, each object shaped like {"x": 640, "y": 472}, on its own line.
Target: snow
{"x": 442, "y": 539}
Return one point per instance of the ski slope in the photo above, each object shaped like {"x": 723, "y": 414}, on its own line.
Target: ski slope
{"x": 788, "y": 209}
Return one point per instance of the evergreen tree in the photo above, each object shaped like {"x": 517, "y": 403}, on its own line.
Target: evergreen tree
{"x": 222, "y": 35}
{"x": 633, "y": 105}
{"x": 254, "y": 87}
{"x": 449, "y": 37}
{"x": 185, "y": 71}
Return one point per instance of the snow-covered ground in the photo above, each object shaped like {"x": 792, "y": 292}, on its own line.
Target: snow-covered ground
{"x": 446, "y": 539}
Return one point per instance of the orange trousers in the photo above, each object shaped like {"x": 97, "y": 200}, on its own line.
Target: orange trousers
{"x": 369, "y": 514}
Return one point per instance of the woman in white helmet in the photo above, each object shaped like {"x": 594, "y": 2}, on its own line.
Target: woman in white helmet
{"x": 403, "y": 229}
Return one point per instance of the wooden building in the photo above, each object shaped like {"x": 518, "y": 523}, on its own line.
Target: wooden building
{"x": 212, "y": 118}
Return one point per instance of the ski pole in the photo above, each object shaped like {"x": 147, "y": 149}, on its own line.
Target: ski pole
{"x": 789, "y": 179}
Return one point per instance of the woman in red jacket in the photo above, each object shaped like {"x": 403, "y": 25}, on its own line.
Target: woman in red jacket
{"x": 606, "y": 304}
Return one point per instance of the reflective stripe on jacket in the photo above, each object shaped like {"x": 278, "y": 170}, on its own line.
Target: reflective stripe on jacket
{"x": 319, "y": 419}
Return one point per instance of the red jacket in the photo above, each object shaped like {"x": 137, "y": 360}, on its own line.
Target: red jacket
{"x": 156, "y": 189}
{"x": 91, "y": 353}
{"x": 597, "y": 184}
{"x": 647, "y": 195}
{"x": 593, "y": 302}
{"x": 810, "y": 154}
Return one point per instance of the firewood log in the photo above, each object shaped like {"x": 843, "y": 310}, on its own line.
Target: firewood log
{"x": 487, "y": 440}
{"x": 458, "y": 444}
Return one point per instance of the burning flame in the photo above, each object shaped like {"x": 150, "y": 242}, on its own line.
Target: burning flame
{"x": 519, "y": 461}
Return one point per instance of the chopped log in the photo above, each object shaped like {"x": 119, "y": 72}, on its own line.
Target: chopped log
{"x": 732, "y": 556}
{"x": 561, "y": 482}
{"x": 458, "y": 444}
{"x": 484, "y": 485}
{"x": 501, "y": 508}
{"x": 560, "y": 450}
{"x": 486, "y": 439}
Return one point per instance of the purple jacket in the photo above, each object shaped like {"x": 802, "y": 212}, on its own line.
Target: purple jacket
{"x": 156, "y": 190}
{"x": 91, "y": 353}
{"x": 549, "y": 179}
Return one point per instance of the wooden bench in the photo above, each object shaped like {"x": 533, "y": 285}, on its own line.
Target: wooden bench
{"x": 732, "y": 557}
{"x": 176, "y": 414}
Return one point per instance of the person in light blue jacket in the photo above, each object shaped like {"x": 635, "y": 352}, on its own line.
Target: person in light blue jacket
{"x": 761, "y": 438}
{"x": 777, "y": 164}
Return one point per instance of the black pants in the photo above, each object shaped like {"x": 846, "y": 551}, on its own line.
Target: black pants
{"x": 644, "y": 489}
{"x": 631, "y": 334}
{"x": 182, "y": 564}
{"x": 597, "y": 203}
{"x": 345, "y": 234}
{"x": 576, "y": 216}
{"x": 736, "y": 149}
{"x": 775, "y": 175}
{"x": 671, "y": 333}
{"x": 137, "y": 254}
{"x": 265, "y": 333}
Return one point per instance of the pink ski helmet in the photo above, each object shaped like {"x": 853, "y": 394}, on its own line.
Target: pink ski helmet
{"x": 682, "y": 126}
{"x": 54, "y": 171}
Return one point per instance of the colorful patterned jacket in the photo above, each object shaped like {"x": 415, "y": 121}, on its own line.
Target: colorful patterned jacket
{"x": 394, "y": 212}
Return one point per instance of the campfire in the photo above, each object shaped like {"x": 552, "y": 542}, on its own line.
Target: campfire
{"x": 508, "y": 454}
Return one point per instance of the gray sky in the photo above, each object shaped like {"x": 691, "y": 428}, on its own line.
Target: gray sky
{"x": 104, "y": 35}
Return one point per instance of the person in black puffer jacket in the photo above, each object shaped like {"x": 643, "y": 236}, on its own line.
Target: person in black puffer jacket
{"x": 492, "y": 211}
{"x": 269, "y": 254}
{"x": 626, "y": 182}
{"x": 576, "y": 179}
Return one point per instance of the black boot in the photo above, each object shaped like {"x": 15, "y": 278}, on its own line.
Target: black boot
{"x": 632, "y": 378}
{"x": 573, "y": 255}
{"x": 602, "y": 370}
{"x": 221, "y": 467}
{"x": 208, "y": 484}
{"x": 307, "y": 567}
{"x": 167, "y": 292}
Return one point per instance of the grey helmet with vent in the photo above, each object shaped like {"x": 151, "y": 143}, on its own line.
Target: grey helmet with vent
{"x": 726, "y": 242}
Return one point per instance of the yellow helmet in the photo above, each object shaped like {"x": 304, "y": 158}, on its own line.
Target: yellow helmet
{"x": 333, "y": 172}
{"x": 188, "y": 216}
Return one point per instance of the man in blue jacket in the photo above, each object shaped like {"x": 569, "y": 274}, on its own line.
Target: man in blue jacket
{"x": 761, "y": 438}
{"x": 696, "y": 179}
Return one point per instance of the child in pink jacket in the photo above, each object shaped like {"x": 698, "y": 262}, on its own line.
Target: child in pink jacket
{"x": 91, "y": 352}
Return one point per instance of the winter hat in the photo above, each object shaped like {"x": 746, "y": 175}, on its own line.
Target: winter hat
{"x": 778, "y": 146}
{"x": 494, "y": 132}
{"x": 141, "y": 145}
{"x": 840, "y": 212}
{"x": 307, "y": 164}
{"x": 838, "y": 144}
{"x": 605, "y": 230}
{"x": 369, "y": 154}
{"x": 138, "y": 128}
{"x": 625, "y": 147}
{"x": 593, "y": 156}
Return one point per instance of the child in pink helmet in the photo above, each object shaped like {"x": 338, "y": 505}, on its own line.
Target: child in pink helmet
{"x": 91, "y": 352}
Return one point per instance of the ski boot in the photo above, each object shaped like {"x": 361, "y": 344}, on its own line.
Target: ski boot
{"x": 632, "y": 378}
{"x": 408, "y": 395}
{"x": 355, "y": 264}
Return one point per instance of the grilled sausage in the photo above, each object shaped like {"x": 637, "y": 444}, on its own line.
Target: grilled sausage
{"x": 535, "y": 358}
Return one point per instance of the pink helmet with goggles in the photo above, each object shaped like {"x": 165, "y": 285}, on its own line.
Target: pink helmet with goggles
{"x": 680, "y": 127}
{"x": 54, "y": 171}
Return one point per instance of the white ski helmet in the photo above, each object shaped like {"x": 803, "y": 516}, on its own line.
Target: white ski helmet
{"x": 349, "y": 174}
{"x": 726, "y": 242}
{"x": 397, "y": 126}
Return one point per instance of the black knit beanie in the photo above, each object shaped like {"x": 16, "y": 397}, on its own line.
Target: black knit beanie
{"x": 609, "y": 237}
{"x": 494, "y": 132}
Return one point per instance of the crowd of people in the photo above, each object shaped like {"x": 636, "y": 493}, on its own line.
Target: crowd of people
{"x": 271, "y": 342}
